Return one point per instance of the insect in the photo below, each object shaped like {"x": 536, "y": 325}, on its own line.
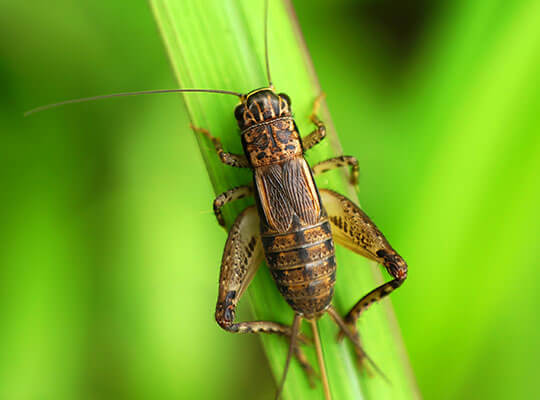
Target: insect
{"x": 293, "y": 224}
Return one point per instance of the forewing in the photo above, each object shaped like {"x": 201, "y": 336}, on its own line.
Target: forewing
{"x": 274, "y": 200}
{"x": 286, "y": 190}
{"x": 301, "y": 191}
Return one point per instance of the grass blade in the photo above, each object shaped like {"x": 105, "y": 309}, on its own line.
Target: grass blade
{"x": 219, "y": 45}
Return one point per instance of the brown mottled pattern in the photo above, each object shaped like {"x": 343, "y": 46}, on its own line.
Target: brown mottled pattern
{"x": 288, "y": 241}
{"x": 281, "y": 242}
{"x": 302, "y": 263}
{"x": 291, "y": 258}
{"x": 271, "y": 142}
{"x": 315, "y": 234}
{"x": 291, "y": 227}
{"x": 296, "y": 234}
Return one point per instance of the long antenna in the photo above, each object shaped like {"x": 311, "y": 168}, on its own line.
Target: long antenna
{"x": 270, "y": 84}
{"x": 107, "y": 96}
{"x": 294, "y": 333}
{"x": 320, "y": 359}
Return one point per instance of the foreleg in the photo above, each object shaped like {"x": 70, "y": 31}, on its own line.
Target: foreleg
{"x": 320, "y": 130}
{"x": 234, "y": 160}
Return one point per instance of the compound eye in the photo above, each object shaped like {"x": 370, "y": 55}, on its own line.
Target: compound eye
{"x": 286, "y": 98}
{"x": 239, "y": 112}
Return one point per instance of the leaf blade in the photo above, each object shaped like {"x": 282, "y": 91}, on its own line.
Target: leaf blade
{"x": 219, "y": 45}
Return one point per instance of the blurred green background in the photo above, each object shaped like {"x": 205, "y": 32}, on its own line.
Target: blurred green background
{"x": 110, "y": 253}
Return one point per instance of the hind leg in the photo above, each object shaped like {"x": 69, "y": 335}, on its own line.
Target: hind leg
{"x": 242, "y": 256}
{"x": 352, "y": 333}
{"x": 353, "y": 229}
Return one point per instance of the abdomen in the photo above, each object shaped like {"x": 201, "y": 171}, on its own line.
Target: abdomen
{"x": 302, "y": 263}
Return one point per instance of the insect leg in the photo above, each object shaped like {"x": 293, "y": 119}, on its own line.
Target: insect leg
{"x": 353, "y": 229}
{"x": 320, "y": 130}
{"x": 306, "y": 366}
{"x": 234, "y": 160}
{"x": 242, "y": 256}
{"x": 295, "y": 329}
{"x": 351, "y": 332}
{"x": 336, "y": 162}
{"x": 355, "y": 339}
{"x": 230, "y": 195}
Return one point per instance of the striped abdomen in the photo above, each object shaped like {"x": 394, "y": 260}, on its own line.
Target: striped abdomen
{"x": 303, "y": 265}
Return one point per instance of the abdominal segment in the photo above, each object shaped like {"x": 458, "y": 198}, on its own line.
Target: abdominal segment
{"x": 302, "y": 263}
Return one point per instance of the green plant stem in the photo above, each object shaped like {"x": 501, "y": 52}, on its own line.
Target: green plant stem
{"x": 220, "y": 45}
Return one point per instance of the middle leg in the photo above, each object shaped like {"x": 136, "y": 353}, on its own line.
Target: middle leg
{"x": 336, "y": 162}
{"x": 353, "y": 229}
{"x": 230, "y": 195}
{"x": 354, "y": 337}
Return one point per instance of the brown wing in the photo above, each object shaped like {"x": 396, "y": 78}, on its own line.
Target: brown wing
{"x": 274, "y": 201}
{"x": 301, "y": 191}
{"x": 287, "y": 190}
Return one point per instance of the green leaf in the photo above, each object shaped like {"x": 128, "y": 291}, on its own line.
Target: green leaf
{"x": 219, "y": 45}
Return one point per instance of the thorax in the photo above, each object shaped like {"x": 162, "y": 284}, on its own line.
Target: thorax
{"x": 272, "y": 142}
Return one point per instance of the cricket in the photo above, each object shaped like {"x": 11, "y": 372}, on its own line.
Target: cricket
{"x": 293, "y": 224}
